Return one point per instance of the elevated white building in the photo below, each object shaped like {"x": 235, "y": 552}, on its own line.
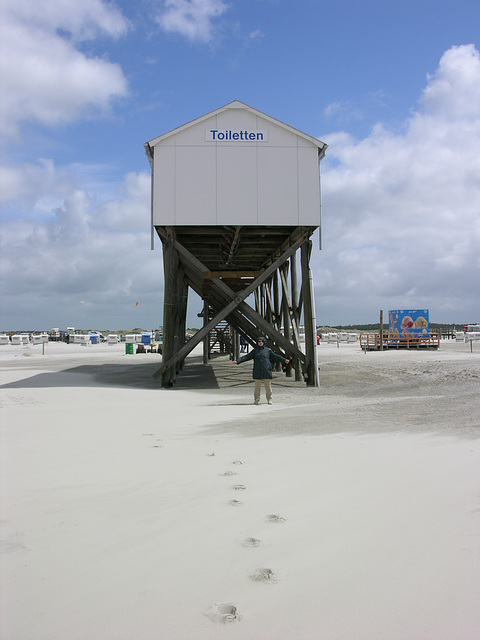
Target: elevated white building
{"x": 235, "y": 193}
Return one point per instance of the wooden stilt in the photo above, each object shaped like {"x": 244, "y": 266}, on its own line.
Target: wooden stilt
{"x": 181, "y": 314}
{"x": 256, "y": 295}
{"x": 309, "y": 318}
{"x": 268, "y": 301}
{"x": 295, "y": 311}
{"x": 276, "y": 302}
{"x": 206, "y": 340}
{"x": 286, "y": 312}
{"x": 171, "y": 268}
{"x": 236, "y": 345}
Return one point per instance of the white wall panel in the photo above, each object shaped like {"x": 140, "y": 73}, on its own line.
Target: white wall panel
{"x": 277, "y": 186}
{"x": 164, "y": 185}
{"x": 194, "y": 135}
{"x": 195, "y": 190}
{"x": 241, "y": 118}
{"x": 308, "y": 187}
{"x": 279, "y": 137}
{"x": 237, "y": 185}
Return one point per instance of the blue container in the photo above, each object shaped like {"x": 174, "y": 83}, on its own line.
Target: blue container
{"x": 146, "y": 338}
{"x": 94, "y": 339}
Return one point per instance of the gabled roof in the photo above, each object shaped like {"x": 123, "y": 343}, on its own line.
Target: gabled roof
{"x": 236, "y": 104}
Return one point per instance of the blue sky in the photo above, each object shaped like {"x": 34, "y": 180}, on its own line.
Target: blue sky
{"x": 393, "y": 89}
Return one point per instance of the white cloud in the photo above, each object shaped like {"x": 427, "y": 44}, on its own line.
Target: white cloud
{"x": 401, "y": 225}
{"x": 83, "y": 20}
{"x": 191, "y": 18}
{"x": 344, "y": 110}
{"x": 402, "y": 211}
{"x": 29, "y": 184}
{"x": 45, "y": 75}
{"x": 84, "y": 251}
{"x": 122, "y": 213}
{"x": 256, "y": 34}
{"x": 455, "y": 79}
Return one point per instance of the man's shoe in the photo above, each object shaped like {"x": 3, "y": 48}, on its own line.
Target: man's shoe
{"x": 269, "y": 402}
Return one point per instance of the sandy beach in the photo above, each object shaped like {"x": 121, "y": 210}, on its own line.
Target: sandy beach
{"x": 349, "y": 512}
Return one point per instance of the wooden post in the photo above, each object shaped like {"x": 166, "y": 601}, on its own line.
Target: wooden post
{"x": 257, "y": 301}
{"x": 309, "y": 317}
{"x": 277, "y": 306}
{"x": 295, "y": 310}
{"x": 206, "y": 340}
{"x": 268, "y": 301}
{"x": 381, "y": 330}
{"x": 286, "y": 314}
{"x": 276, "y": 302}
{"x": 236, "y": 345}
{"x": 170, "y": 265}
{"x": 181, "y": 313}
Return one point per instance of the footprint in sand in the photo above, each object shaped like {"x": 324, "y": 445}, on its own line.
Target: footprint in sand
{"x": 235, "y": 503}
{"x": 238, "y": 462}
{"x": 250, "y": 543}
{"x": 223, "y": 613}
{"x": 239, "y": 487}
{"x": 274, "y": 519}
{"x": 264, "y": 575}
{"x": 228, "y": 473}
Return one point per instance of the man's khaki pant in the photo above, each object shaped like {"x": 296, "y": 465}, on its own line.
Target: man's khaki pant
{"x": 268, "y": 389}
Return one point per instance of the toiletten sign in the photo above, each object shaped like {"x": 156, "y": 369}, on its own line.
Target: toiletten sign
{"x": 235, "y": 135}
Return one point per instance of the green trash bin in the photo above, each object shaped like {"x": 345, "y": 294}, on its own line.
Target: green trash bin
{"x": 129, "y": 348}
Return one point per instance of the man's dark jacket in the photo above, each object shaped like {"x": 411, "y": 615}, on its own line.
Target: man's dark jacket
{"x": 263, "y": 359}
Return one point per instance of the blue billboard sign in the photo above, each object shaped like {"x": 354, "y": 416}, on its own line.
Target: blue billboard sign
{"x": 407, "y": 323}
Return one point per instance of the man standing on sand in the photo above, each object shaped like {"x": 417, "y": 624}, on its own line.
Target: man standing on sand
{"x": 263, "y": 359}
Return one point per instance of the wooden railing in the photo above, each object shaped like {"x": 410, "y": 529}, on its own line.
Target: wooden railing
{"x": 371, "y": 341}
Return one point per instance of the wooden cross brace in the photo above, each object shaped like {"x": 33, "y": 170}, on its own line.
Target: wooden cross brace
{"x": 235, "y": 305}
